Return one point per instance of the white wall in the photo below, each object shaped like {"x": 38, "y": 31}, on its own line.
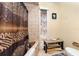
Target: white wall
{"x": 69, "y": 29}
{"x": 66, "y": 27}
{"x": 53, "y": 25}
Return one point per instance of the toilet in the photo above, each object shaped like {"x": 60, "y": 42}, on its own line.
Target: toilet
{"x": 71, "y": 51}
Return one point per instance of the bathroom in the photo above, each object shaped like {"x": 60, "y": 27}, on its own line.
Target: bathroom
{"x": 26, "y": 20}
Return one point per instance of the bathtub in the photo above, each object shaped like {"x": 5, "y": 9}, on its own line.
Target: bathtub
{"x": 33, "y": 50}
{"x": 71, "y": 51}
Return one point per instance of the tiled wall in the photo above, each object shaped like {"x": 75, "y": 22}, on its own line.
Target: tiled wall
{"x": 13, "y": 28}
{"x": 33, "y": 21}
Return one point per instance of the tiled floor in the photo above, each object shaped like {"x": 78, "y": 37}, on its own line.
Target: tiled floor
{"x": 50, "y": 52}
